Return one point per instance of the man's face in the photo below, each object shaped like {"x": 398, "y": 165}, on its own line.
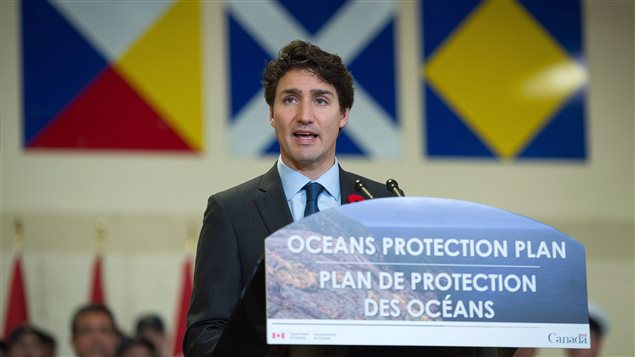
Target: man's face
{"x": 96, "y": 335}
{"x": 137, "y": 350}
{"x": 28, "y": 345}
{"x": 306, "y": 117}
{"x": 155, "y": 336}
{"x": 594, "y": 351}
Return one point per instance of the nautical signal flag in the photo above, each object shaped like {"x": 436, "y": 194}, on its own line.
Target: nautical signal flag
{"x": 504, "y": 79}
{"x": 112, "y": 75}
{"x": 361, "y": 33}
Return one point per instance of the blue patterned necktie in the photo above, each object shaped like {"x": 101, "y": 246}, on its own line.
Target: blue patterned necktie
{"x": 313, "y": 190}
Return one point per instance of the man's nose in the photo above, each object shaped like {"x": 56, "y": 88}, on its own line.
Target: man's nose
{"x": 305, "y": 112}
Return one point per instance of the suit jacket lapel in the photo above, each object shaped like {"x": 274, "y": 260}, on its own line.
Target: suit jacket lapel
{"x": 271, "y": 201}
{"x": 347, "y": 186}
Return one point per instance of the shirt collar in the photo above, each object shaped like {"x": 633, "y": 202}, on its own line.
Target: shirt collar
{"x": 293, "y": 181}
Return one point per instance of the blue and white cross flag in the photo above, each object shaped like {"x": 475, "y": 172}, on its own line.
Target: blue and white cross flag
{"x": 361, "y": 33}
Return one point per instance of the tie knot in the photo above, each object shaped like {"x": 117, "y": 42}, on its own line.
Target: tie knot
{"x": 313, "y": 190}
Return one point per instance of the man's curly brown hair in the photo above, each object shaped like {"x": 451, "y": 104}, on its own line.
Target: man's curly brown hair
{"x": 303, "y": 55}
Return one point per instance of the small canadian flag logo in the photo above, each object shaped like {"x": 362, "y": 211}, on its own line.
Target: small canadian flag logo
{"x": 279, "y": 335}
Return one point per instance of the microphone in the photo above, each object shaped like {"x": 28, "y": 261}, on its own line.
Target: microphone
{"x": 393, "y": 186}
{"x": 361, "y": 188}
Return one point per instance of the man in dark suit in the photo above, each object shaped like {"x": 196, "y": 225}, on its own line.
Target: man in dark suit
{"x": 309, "y": 93}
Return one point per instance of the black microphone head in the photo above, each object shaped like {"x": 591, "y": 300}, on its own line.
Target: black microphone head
{"x": 390, "y": 184}
{"x": 359, "y": 185}
{"x": 361, "y": 188}
{"x": 393, "y": 187}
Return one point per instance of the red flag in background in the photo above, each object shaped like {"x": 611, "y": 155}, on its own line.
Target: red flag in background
{"x": 184, "y": 303}
{"x": 97, "y": 292}
{"x": 17, "y": 310}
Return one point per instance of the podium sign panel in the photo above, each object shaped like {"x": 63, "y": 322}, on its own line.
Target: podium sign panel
{"x": 425, "y": 272}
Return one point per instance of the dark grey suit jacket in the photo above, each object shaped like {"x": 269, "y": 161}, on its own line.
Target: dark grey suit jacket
{"x": 231, "y": 242}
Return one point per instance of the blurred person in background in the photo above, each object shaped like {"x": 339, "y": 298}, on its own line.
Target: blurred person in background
{"x": 151, "y": 328}
{"x": 137, "y": 347}
{"x": 29, "y": 341}
{"x": 598, "y": 328}
{"x": 94, "y": 332}
{"x": 50, "y": 345}
{"x": 526, "y": 352}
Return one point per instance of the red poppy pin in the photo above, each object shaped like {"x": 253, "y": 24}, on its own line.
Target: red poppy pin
{"x": 353, "y": 197}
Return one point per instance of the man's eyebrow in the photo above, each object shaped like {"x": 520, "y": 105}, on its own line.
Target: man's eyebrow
{"x": 321, "y": 92}
{"x": 290, "y": 91}
{"x": 313, "y": 91}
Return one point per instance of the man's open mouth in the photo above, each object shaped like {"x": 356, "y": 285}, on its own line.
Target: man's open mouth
{"x": 304, "y": 134}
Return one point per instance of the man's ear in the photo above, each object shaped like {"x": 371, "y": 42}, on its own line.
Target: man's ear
{"x": 271, "y": 116}
{"x": 344, "y": 118}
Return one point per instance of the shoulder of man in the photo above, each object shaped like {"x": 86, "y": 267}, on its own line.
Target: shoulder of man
{"x": 247, "y": 190}
{"x": 377, "y": 189}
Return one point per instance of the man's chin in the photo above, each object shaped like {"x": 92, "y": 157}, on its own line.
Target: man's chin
{"x": 98, "y": 351}
{"x": 309, "y": 161}
{"x": 301, "y": 158}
